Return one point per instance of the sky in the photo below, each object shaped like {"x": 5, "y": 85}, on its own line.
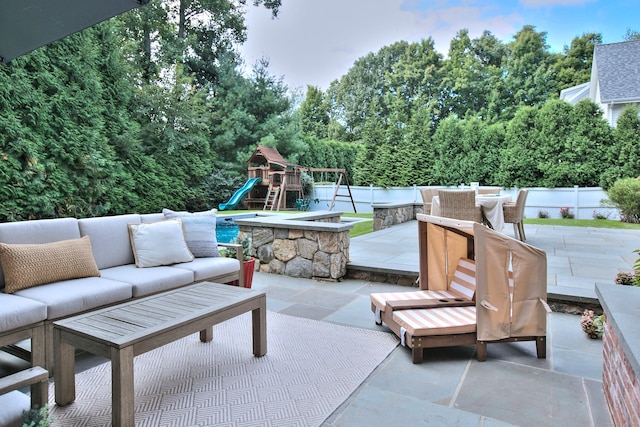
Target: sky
{"x": 313, "y": 42}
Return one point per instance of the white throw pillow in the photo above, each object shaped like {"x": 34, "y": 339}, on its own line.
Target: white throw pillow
{"x": 159, "y": 243}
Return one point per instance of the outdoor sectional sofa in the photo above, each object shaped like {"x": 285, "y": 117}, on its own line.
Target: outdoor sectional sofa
{"x": 86, "y": 264}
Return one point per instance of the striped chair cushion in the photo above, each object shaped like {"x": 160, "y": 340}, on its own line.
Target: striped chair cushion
{"x": 380, "y": 299}
{"x": 437, "y": 321}
{"x": 463, "y": 285}
{"x": 464, "y": 279}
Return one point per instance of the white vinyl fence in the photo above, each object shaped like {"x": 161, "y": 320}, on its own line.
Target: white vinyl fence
{"x": 583, "y": 202}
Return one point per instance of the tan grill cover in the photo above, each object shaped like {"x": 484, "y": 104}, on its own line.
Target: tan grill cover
{"x": 443, "y": 241}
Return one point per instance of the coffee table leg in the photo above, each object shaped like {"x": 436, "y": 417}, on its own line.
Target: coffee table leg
{"x": 63, "y": 369}
{"x": 206, "y": 335}
{"x": 122, "y": 395}
{"x": 259, "y": 321}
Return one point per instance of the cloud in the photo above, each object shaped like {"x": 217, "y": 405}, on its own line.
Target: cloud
{"x": 314, "y": 42}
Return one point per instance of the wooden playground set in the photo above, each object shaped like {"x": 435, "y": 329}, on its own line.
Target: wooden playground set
{"x": 275, "y": 184}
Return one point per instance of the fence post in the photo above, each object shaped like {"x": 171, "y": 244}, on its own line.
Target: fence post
{"x": 576, "y": 209}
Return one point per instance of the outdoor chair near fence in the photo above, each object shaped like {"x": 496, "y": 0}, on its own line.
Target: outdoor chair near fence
{"x": 427, "y": 196}
{"x": 514, "y": 213}
{"x": 489, "y": 190}
{"x": 460, "y": 204}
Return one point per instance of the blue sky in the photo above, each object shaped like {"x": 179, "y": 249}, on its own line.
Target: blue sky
{"x": 313, "y": 42}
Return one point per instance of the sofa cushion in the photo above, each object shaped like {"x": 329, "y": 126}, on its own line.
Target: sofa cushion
{"x": 39, "y": 231}
{"x": 199, "y": 231}
{"x": 207, "y": 268}
{"x": 147, "y": 281}
{"x": 28, "y": 265}
{"x": 159, "y": 243}
{"x": 70, "y": 297}
{"x": 18, "y": 312}
{"x": 109, "y": 238}
{"x": 11, "y": 406}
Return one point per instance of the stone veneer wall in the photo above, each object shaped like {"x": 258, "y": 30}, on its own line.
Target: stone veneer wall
{"x": 620, "y": 383}
{"x": 386, "y": 215}
{"x": 300, "y": 251}
{"x": 621, "y": 351}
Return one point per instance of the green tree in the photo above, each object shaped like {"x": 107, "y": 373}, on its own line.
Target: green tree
{"x": 314, "y": 115}
{"x": 529, "y": 78}
{"x": 574, "y": 66}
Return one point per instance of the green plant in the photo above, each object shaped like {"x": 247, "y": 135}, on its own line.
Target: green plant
{"x": 543, "y": 214}
{"x": 624, "y": 194}
{"x": 591, "y": 324}
{"x": 601, "y": 215}
{"x": 245, "y": 241}
{"x": 566, "y": 213}
{"x": 306, "y": 182}
{"x": 36, "y": 417}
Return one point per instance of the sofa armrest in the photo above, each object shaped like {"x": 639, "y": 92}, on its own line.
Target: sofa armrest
{"x": 36, "y": 377}
{"x": 239, "y": 256}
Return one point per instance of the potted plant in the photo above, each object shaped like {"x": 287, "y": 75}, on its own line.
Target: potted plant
{"x": 36, "y": 417}
{"x": 249, "y": 261}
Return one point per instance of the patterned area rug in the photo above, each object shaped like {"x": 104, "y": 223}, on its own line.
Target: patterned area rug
{"x": 310, "y": 368}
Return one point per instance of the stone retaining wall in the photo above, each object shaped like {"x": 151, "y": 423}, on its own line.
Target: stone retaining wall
{"x": 386, "y": 215}
{"x": 306, "y": 245}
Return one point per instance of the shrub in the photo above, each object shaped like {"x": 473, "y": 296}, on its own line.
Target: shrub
{"x": 543, "y": 214}
{"x": 624, "y": 195}
{"x": 566, "y": 213}
{"x": 601, "y": 215}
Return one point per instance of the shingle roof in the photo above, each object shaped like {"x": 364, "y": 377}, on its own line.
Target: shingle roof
{"x": 618, "y": 67}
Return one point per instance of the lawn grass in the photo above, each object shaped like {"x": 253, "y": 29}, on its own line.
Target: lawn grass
{"x": 596, "y": 223}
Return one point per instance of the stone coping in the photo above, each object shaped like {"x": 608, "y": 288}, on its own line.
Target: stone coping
{"x": 303, "y": 221}
{"x": 621, "y": 305}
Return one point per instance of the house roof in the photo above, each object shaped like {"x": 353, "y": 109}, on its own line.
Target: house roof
{"x": 26, "y": 25}
{"x": 575, "y": 94}
{"x": 618, "y": 71}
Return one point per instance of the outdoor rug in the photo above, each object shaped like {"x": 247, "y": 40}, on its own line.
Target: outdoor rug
{"x": 310, "y": 368}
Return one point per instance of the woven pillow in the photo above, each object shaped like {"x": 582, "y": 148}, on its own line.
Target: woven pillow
{"x": 28, "y": 265}
{"x": 159, "y": 243}
{"x": 199, "y": 231}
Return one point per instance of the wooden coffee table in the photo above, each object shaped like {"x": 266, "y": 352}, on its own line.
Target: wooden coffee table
{"x": 126, "y": 330}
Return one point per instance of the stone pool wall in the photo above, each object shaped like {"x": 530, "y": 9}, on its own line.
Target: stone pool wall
{"x": 313, "y": 245}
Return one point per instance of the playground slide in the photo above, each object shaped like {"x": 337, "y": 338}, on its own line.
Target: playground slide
{"x": 239, "y": 194}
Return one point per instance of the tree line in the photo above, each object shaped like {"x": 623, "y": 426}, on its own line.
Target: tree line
{"x": 154, "y": 109}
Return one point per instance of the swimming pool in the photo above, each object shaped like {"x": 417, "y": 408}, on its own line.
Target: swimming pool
{"x": 226, "y": 229}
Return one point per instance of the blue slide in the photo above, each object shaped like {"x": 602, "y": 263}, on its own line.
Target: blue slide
{"x": 239, "y": 194}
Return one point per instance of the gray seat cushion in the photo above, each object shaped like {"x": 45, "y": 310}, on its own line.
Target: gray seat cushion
{"x": 207, "y": 268}
{"x": 147, "y": 281}
{"x": 109, "y": 239}
{"x": 75, "y": 296}
{"x": 18, "y": 312}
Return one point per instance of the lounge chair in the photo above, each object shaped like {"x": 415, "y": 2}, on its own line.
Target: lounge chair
{"x": 510, "y": 300}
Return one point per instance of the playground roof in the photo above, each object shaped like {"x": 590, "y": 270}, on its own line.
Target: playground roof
{"x": 270, "y": 156}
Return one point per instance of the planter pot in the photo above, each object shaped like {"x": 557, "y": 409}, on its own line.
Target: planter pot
{"x": 249, "y": 267}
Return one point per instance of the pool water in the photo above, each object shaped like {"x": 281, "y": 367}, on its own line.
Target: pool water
{"x": 226, "y": 231}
